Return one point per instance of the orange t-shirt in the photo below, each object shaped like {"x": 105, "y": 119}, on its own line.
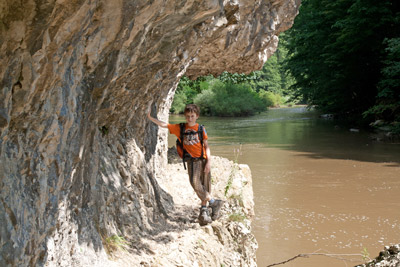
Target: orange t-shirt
{"x": 192, "y": 146}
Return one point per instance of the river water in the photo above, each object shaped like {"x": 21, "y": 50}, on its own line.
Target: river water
{"x": 318, "y": 188}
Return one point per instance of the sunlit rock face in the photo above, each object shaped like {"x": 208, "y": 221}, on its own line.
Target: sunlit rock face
{"x": 79, "y": 161}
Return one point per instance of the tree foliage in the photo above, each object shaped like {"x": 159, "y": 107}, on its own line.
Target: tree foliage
{"x": 267, "y": 87}
{"x": 273, "y": 76}
{"x": 179, "y": 103}
{"x": 335, "y": 53}
{"x": 229, "y": 99}
{"x": 236, "y": 78}
{"x": 340, "y": 56}
{"x": 387, "y": 105}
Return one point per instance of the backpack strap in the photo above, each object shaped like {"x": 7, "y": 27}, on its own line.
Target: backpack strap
{"x": 200, "y": 132}
{"x": 182, "y": 132}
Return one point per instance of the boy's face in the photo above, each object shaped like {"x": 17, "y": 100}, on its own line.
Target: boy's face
{"x": 191, "y": 118}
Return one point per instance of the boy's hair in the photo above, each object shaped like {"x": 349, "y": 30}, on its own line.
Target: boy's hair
{"x": 192, "y": 108}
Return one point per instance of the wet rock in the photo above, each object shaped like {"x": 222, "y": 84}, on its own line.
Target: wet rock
{"x": 327, "y": 116}
{"x": 377, "y": 123}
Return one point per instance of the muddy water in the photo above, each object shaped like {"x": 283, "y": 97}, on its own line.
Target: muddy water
{"x": 317, "y": 188}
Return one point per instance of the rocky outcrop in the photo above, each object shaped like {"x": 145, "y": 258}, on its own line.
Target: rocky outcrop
{"x": 79, "y": 163}
{"x": 389, "y": 257}
{"x": 182, "y": 242}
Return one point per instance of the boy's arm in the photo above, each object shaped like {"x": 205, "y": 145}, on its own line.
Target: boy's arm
{"x": 159, "y": 123}
{"x": 207, "y": 168}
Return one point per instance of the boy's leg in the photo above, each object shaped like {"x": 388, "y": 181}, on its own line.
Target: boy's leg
{"x": 214, "y": 204}
{"x": 201, "y": 183}
{"x": 201, "y": 186}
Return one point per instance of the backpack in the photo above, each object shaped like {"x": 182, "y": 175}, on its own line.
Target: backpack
{"x": 185, "y": 156}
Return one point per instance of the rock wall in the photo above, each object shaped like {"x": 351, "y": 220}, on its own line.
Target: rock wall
{"x": 78, "y": 160}
{"x": 182, "y": 242}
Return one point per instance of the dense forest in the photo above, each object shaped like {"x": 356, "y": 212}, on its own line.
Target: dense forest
{"x": 345, "y": 58}
{"x": 341, "y": 57}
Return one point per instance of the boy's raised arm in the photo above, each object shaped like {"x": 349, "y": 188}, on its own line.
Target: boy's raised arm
{"x": 158, "y": 122}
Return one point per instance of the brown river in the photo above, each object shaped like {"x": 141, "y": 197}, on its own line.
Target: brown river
{"x": 318, "y": 189}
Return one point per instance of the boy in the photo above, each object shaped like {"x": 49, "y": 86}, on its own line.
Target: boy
{"x": 199, "y": 163}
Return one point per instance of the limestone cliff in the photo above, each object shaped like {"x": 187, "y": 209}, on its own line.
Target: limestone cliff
{"x": 181, "y": 241}
{"x": 78, "y": 160}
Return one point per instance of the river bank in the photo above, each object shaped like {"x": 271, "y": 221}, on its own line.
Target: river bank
{"x": 183, "y": 242}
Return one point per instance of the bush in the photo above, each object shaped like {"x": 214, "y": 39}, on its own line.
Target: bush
{"x": 179, "y": 103}
{"x": 229, "y": 100}
{"x": 270, "y": 99}
{"x": 205, "y": 101}
{"x": 187, "y": 90}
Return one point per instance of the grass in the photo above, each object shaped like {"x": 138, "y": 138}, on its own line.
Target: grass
{"x": 365, "y": 255}
{"x": 237, "y": 197}
{"x": 115, "y": 242}
{"x": 237, "y": 217}
{"x": 229, "y": 183}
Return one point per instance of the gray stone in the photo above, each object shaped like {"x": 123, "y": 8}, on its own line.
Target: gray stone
{"x": 77, "y": 78}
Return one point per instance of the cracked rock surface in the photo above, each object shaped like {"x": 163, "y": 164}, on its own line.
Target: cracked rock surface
{"x": 79, "y": 161}
{"x": 181, "y": 241}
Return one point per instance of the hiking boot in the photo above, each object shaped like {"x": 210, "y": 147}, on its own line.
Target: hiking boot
{"x": 216, "y": 207}
{"x": 204, "y": 217}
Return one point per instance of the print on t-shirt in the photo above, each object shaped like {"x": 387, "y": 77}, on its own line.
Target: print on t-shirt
{"x": 191, "y": 137}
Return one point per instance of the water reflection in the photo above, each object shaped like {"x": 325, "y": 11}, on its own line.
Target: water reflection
{"x": 317, "y": 187}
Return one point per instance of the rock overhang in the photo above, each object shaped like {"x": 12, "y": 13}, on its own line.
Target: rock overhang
{"x": 77, "y": 78}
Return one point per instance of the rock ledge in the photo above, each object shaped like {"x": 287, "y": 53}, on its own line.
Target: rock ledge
{"x": 182, "y": 242}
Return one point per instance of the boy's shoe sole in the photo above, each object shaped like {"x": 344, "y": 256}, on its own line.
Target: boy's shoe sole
{"x": 216, "y": 207}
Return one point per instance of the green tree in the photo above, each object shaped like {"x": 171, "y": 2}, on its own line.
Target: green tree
{"x": 387, "y": 105}
{"x": 236, "y": 78}
{"x": 335, "y": 52}
{"x": 268, "y": 86}
{"x": 187, "y": 90}
{"x": 273, "y": 81}
{"x": 269, "y": 77}
{"x": 179, "y": 102}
